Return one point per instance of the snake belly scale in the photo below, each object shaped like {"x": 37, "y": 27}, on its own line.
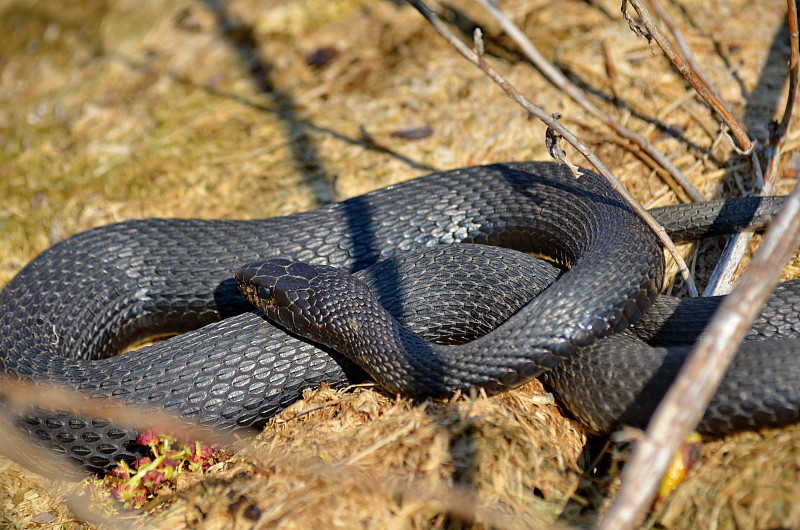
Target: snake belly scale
{"x": 66, "y": 314}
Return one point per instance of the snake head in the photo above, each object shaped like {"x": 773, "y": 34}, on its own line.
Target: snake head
{"x": 320, "y": 303}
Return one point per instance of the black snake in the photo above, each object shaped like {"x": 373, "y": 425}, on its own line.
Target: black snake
{"x": 91, "y": 295}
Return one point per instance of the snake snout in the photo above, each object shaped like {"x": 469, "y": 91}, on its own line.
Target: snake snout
{"x": 321, "y": 303}
{"x": 257, "y": 281}
{"x": 294, "y": 295}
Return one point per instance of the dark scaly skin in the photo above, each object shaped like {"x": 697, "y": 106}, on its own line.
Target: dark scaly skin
{"x": 92, "y": 294}
{"x": 617, "y": 380}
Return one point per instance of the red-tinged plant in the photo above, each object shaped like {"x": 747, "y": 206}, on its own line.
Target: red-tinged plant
{"x": 132, "y": 487}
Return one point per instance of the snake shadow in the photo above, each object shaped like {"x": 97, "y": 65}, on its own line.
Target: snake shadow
{"x": 765, "y": 99}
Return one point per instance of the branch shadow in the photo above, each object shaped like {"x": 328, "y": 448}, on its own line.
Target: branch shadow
{"x": 498, "y": 47}
{"x": 242, "y": 38}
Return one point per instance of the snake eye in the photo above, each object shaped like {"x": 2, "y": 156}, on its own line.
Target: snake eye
{"x": 265, "y": 293}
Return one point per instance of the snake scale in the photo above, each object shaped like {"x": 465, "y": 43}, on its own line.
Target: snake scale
{"x": 65, "y": 315}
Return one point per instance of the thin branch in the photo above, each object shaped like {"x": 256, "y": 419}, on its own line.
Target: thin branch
{"x": 683, "y": 46}
{"x": 723, "y": 276}
{"x": 695, "y": 81}
{"x": 688, "y": 397}
{"x": 19, "y": 396}
{"x": 561, "y": 81}
{"x": 540, "y": 113}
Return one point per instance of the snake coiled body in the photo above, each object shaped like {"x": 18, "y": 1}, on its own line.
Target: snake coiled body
{"x": 616, "y": 380}
{"x": 91, "y": 295}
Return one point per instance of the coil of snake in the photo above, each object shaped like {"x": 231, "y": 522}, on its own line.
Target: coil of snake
{"x": 591, "y": 321}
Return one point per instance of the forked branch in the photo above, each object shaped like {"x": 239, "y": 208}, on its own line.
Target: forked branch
{"x": 688, "y": 397}
{"x": 555, "y": 76}
{"x": 513, "y": 93}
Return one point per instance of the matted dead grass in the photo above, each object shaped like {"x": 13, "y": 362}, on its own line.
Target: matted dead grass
{"x": 117, "y": 110}
{"x": 409, "y": 466}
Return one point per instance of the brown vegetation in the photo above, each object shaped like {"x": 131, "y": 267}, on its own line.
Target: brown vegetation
{"x": 117, "y": 110}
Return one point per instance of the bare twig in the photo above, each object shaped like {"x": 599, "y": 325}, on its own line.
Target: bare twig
{"x": 683, "y": 46}
{"x": 688, "y": 397}
{"x": 723, "y": 276}
{"x": 705, "y": 91}
{"x": 540, "y": 113}
{"x": 18, "y": 448}
{"x": 18, "y": 396}
{"x": 560, "y": 80}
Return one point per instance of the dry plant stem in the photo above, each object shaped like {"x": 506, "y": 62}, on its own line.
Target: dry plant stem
{"x": 683, "y": 46}
{"x": 723, "y": 277}
{"x": 689, "y": 395}
{"x": 19, "y": 449}
{"x": 560, "y": 80}
{"x": 19, "y": 396}
{"x": 540, "y": 113}
{"x": 695, "y": 81}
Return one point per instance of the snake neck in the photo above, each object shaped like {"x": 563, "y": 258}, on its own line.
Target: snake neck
{"x": 333, "y": 308}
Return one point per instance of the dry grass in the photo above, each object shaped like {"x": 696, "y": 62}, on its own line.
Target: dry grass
{"x": 116, "y": 110}
{"x": 745, "y": 481}
{"x": 409, "y": 466}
